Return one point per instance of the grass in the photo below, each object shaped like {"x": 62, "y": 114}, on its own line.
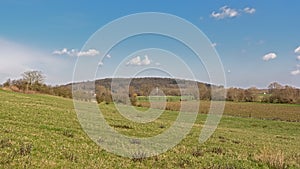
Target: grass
{"x": 40, "y": 131}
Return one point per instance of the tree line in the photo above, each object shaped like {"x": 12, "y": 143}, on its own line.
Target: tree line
{"x": 33, "y": 82}
{"x": 275, "y": 93}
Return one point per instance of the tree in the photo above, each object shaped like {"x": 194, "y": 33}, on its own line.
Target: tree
{"x": 231, "y": 94}
{"x": 204, "y": 93}
{"x": 133, "y": 99}
{"x": 287, "y": 94}
{"x": 7, "y": 83}
{"x": 145, "y": 89}
{"x": 100, "y": 93}
{"x": 250, "y": 95}
{"x": 33, "y": 79}
{"x": 19, "y": 83}
{"x": 235, "y": 94}
{"x": 274, "y": 86}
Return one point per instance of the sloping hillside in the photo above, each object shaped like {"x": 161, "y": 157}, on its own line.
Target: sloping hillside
{"x": 41, "y": 131}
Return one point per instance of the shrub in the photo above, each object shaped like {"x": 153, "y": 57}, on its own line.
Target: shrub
{"x": 25, "y": 149}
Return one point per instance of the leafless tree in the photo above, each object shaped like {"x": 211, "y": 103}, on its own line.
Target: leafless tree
{"x": 33, "y": 78}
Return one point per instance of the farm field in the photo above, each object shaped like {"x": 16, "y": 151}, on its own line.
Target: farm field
{"x": 283, "y": 112}
{"x": 41, "y": 131}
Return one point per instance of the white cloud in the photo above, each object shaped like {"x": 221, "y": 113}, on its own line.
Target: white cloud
{"x": 65, "y": 51}
{"x": 269, "y": 56}
{"x": 225, "y": 12}
{"x": 297, "y": 50}
{"x": 75, "y": 52}
{"x": 249, "y": 10}
{"x": 90, "y": 52}
{"x": 146, "y": 61}
{"x": 108, "y": 56}
{"x": 137, "y": 61}
{"x": 214, "y": 44}
{"x": 295, "y": 72}
{"x": 298, "y": 57}
{"x": 60, "y": 52}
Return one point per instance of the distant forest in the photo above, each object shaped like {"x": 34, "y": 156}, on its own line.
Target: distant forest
{"x": 33, "y": 82}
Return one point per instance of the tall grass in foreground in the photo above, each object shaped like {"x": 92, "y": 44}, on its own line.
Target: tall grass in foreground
{"x": 39, "y": 131}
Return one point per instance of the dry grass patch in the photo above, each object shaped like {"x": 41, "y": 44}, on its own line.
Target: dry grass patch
{"x": 273, "y": 158}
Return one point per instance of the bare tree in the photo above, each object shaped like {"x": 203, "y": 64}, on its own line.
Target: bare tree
{"x": 251, "y": 94}
{"x": 274, "y": 86}
{"x": 7, "y": 83}
{"x": 33, "y": 78}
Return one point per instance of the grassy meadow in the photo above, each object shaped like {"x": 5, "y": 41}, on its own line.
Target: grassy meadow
{"x": 41, "y": 131}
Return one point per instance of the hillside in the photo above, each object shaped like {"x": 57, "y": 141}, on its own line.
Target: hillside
{"x": 143, "y": 86}
{"x": 42, "y": 131}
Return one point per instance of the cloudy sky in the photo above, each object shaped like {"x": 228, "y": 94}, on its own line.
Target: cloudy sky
{"x": 258, "y": 42}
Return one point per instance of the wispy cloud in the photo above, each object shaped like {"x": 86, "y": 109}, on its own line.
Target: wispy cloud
{"x": 269, "y": 56}
{"x": 75, "y": 52}
{"x": 61, "y": 52}
{"x": 260, "y": 42}
{"x": 90, "y": 52}
{"x": 298, "y": 57}
{"x": 297, "y": 50}
{"x": 137, "y": 61}
{"x": 214, "y": 44}
{"x": 17, "y": 58}
{"x": 227, "y": 12}
{"x": 295, "y": 72}
{"x": 249, "y": 10}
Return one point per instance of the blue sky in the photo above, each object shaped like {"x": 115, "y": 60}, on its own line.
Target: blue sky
{"x": 257, "y": 41}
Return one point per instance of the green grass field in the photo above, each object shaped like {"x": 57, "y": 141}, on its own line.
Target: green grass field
{"x": 41, "y": 131}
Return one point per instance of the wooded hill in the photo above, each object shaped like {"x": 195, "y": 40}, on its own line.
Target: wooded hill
{"x": 104, "y": 88}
